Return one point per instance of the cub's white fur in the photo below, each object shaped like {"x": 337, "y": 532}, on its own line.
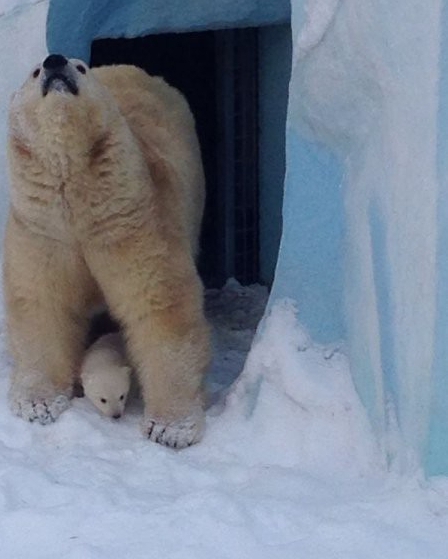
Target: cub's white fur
{"x": 105, "y": 375}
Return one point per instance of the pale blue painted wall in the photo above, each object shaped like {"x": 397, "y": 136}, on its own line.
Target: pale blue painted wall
{"x": 73, "y": 24}
{"x": 309, "y": 267}
{"x": 311, "y": 256}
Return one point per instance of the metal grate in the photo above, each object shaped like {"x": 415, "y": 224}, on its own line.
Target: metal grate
{"x": 237, "y": 99}
{"x": 246, "y": 156}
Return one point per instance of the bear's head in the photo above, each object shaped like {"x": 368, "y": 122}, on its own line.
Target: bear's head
{"x": 107, "y": 387}
{"x": 60, "y": 107}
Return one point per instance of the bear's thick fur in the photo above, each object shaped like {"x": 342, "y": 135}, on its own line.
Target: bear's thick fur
{"x": 107, "y": 194}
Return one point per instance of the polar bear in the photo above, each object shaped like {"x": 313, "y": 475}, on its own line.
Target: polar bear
{"x": 106, "y": 375}
{"x": 107, "y": 194}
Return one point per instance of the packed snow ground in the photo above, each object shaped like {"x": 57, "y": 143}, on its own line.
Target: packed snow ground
{"x": 287, "y": 468}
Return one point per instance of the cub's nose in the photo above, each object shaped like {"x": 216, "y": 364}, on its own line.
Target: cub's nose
{"x": 116, "y": 416}
{"x": 54, "y": 61}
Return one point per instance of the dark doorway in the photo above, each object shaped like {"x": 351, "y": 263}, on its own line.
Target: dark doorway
{"x": 217, "y": 72}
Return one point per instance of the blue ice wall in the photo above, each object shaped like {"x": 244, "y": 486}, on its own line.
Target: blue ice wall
{"x": 73, "y": 24}
{"x": 365, "y": 241}
{"x": 310, "y": 264}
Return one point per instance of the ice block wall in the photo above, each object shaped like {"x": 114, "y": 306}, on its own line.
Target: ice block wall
{"x": 365, "y": 241}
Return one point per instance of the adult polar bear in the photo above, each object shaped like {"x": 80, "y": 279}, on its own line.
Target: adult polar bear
{"x": 107, "y": 193}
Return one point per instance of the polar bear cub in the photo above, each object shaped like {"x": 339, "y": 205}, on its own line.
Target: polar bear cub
{"x": 105, "y": 375}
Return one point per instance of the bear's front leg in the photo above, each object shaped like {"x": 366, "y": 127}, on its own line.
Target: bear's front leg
{"x": 157, "y": 296}
{"x": 172, "y": 355}
{"x": 46, "y": 322}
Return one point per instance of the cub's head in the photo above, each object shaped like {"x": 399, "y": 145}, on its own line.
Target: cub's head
{"x": 60, "y": 103}
{"x": 107, "y": 388}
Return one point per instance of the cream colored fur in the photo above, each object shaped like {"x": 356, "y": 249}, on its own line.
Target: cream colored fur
{"x": 107, "y": 194}
{"x": 106, "y": 375}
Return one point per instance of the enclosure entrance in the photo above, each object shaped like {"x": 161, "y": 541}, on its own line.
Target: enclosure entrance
{"x": 217, "y": 72}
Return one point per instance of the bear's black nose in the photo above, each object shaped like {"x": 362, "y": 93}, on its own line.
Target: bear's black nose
{"x": 54, "y": 61}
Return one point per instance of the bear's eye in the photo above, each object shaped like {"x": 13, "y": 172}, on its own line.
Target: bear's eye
{"x": 103, "y": 401}
{"x": 36, "y": 72}
{"x": 81, "y": 68}
{"x": 122, "y": 397}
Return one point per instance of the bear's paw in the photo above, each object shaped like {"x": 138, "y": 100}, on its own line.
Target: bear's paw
{"x": 44, "y": 410}
{"x": 177, "y": 434}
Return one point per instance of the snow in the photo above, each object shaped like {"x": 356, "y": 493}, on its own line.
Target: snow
{"x": 289, "y": 466}
{"x": 298, "y": 475}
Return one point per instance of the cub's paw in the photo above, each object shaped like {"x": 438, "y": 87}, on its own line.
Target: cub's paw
{"x": 179, "y": 433}
{"x": 42, "y": 410}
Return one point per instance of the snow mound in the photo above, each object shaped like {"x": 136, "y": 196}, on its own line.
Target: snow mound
{"x": 295, "y": 404}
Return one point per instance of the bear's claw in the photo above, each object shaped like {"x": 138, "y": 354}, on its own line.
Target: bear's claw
{"x": 175, "y": 434}
{"x": 42, "y": 410}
